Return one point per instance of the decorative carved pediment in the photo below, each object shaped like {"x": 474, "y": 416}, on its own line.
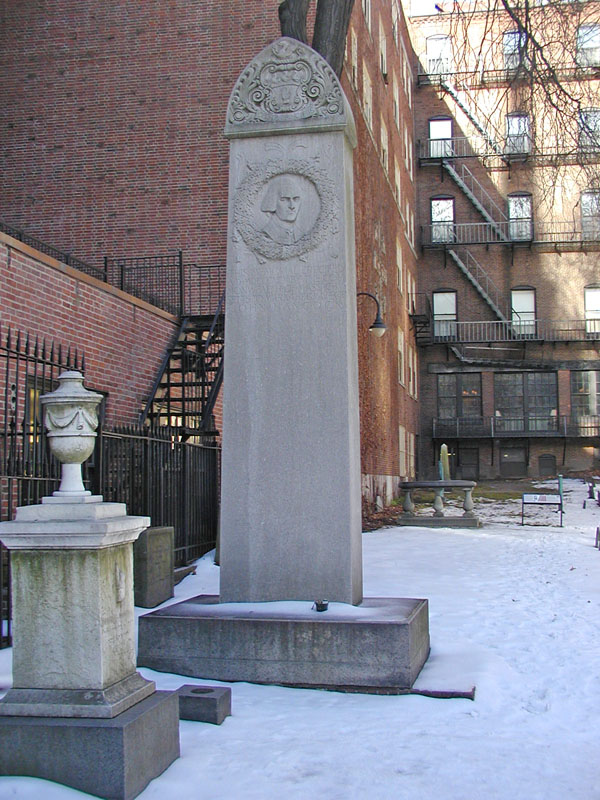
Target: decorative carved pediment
{"x": 286, "y": 85}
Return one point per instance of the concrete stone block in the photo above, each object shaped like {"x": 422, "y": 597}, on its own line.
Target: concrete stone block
{"x": 111, "y": 758}
{"x": 204, "y": 703}
{"x": 153, "y": 566}
{"x": 380, "y": 644}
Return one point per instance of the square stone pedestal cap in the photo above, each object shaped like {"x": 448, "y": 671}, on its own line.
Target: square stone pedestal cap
{"x": 79, "y": 526}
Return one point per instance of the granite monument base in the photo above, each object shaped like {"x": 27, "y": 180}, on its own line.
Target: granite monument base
{"x": 381, "y": 644}
{"x": 421, "y": 521}
{"x": 111, "y": 758}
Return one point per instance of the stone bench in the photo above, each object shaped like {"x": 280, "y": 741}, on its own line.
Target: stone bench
{"x": 466, "y": 520}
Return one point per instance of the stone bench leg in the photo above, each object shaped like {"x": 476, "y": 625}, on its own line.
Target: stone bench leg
{"x": 408, "y": 507}
{"x": 438, "y": 503}
{"x": 468, "y": 504}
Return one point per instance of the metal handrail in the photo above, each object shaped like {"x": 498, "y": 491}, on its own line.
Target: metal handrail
{"x": 448, "y": 234}
{"x": 53, "y": 252}
{"x": 487, "y": 331}
{"x": 532, "y": 425}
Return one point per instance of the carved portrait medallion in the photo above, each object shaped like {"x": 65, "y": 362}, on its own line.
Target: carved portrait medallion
{"x": 285, "y": 208}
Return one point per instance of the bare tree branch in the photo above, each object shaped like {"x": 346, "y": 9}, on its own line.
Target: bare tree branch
{"x": 292, "y": 19}
{"x": 331, "y": 29}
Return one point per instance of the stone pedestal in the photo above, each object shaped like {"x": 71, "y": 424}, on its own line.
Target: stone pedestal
{"x": 74, "y": 652}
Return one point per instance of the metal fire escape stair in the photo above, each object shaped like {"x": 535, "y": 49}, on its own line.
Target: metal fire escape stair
{"x": 190, "y": 376}
{"x": 479, "y": 278}
{"x": 479, "y": 127}
{"x": 495, "y": 363}
{"x": 479, "y": 197}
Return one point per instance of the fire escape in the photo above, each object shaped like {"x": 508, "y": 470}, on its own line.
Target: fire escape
{"x": 495, "y": 227}
{"x": 190, "y": 376}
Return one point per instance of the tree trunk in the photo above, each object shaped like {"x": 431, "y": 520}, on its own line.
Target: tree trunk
{"x": 292, "y": 19}
{"x": 331, "y": 29}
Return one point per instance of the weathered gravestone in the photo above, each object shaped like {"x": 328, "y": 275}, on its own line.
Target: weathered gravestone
{"x": 291, "y": 503}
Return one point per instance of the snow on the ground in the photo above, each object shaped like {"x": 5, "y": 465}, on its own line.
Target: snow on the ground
{"x": 514, "y": 610}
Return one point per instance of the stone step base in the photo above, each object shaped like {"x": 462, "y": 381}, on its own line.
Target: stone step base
{"x": 380, "y": 644}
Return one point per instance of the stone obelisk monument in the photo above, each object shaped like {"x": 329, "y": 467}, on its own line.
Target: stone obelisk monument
{"x": 290, "y": 511}
{"x": 291, "y": 525}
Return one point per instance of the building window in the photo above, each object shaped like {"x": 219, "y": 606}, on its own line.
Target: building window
{"x": 590, "y": 216}
{"x": 402, "y": 451}
{"x": 367, "y": 96}
{"x": 354, "y": 57}
{"x": 459, "y": 396}
{"x": 442, "y": 219}
{"x": 415, "y": 373}
{"x": 518, "y": 138}
{"x": 412, "y": 371}
{"x": 411, "y": 454}
{"x": 408, "y": 151}
{"x": 366, "y": 7}
{"x": 589, "y": 130}
{"x": 397, "y": 183}
{"x": 383, "y": 135}
{"x": 588, "y": 46}
{"x": 396, "y": 22}
{"x": 439, "y": 54}
{"x": 520, "y": 220}
{"x": 401, "y": 356}
{"x": 396, "y": 100}
{"x": 400, "y": 266}
{"x": 523, "y": 311}
{"x": 585, "y": 393}
{"x": 411, "y": 293}
{"x": 444, "y": 315}
{"x": 382, "y": 51}
{"x": 440, "y": 138}
{"x": 514, "y": 47}
{"x": 407, "y": 77}
{"x": 525, "y": 402}
{"x": 592, "y": 310}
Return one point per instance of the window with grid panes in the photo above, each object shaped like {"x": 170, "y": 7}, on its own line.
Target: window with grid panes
{"x": 459, "y": 395}
{"x": 585, "y": 388}
{"x": 525, "y": 402}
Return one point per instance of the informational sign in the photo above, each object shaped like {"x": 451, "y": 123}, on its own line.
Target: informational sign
{"x": 544, "y": 500}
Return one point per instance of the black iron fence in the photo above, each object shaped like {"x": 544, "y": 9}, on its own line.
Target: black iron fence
{"x": 151, "y": 470}
{"x": 157, "y": 475}
{"x": 168, "y": 282}
{"x": 29, "y": 367}
{"x": 165, "y": 280}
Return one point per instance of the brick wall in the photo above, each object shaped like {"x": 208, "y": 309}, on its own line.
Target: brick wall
{"x": 124, "y": 340}
{"x": 111, "y": 144}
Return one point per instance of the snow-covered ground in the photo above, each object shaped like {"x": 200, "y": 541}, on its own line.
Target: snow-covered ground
{"x": 514, "y": 610}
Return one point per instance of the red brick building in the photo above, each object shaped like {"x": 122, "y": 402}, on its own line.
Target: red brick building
{"x": 112, "y": 146}
{"x": 508, "y": 311}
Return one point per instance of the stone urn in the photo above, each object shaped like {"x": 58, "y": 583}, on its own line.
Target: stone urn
{"x": 71, "y": 419}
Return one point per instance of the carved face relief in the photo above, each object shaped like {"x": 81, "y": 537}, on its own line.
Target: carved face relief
{"x": 283, "y": 210}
